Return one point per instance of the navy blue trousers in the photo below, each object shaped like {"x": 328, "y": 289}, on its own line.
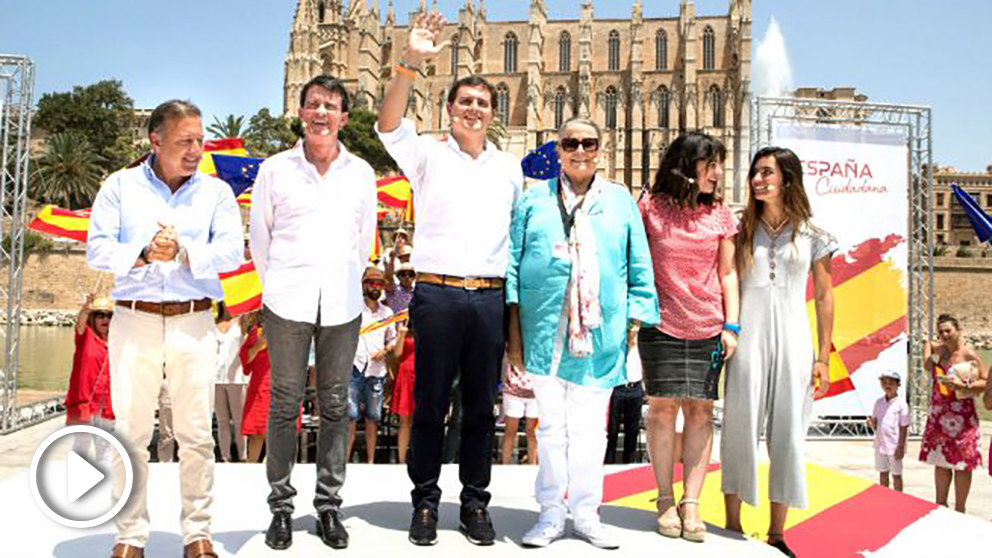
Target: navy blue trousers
{"x": 458, "y": 332}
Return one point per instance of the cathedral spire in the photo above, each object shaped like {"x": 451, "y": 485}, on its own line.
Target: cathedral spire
{"x": 390, "y": 13}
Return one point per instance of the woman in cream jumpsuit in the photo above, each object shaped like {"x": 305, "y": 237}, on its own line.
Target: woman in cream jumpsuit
{"x": 775, "y": 371}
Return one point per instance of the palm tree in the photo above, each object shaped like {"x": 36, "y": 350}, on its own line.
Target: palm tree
{"x": 496, "y": 132}
{"x": 68, "y": 173}
{"x": 229, "y": 128}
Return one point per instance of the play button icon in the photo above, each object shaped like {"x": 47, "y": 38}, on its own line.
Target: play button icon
{"x": 73, "y": 489}
{"x": 81, "y": 476}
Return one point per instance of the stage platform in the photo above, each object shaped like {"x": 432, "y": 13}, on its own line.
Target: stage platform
{"x": 847, "y": 517}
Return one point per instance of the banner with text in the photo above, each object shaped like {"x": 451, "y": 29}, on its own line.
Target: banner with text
{"x": 857, "y": 182}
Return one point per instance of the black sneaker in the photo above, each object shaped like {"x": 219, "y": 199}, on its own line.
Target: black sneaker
{"x": 280, "y": 533}
{"x": 477, "y": 526}
{"x": 423, "y": 528}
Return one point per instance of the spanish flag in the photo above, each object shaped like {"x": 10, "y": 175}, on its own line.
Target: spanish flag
{"x": 245, "y": 198}
{"x": 226, "y": 146}
{"x": 396, "y": 192}
{"x": 242, "y": 289}
{"x": 62, "y": 222}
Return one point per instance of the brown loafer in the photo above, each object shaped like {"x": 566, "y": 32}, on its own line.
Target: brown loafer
{"x": 200, "y": 548}
{"x": 122, "y": 550}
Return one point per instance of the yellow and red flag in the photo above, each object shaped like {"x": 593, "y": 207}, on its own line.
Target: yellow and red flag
{"x": 397, "y": 193}
{"x": 226, "y": 146}
{"x": 245, "y": 198}
{"x": 395, "y": 318}
{"x": 242, "y": 289}
{"x": 62, "y": 222}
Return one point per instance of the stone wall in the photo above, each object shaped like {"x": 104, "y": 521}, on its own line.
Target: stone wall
{"x": 59, "y": 280}
{"x": 962, "y": 288}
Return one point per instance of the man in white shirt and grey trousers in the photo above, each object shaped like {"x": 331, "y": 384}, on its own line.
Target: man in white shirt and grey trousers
{"x": 464, "y": 190}
{"x": 313, "y": 220}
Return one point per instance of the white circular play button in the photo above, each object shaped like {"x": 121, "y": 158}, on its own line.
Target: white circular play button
{"x": 77, "y": 491}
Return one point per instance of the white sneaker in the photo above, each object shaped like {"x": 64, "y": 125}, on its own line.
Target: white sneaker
{"x": 544, "y": 533}
{"x": 598, "y": 535}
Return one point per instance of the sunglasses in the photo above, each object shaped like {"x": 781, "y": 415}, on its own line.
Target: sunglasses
{"x": 571, "y": 144}
{"x": 375, "y": 283}
{"x": 107, "y": 315}
{"x": 406, "y": 274}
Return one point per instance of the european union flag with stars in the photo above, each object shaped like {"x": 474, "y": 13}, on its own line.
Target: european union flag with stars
{"x": 238, "y": 172}
{"x": 541, "y": 163}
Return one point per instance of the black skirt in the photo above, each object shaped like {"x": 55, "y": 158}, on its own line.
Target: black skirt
{"x": 680, "y": 368}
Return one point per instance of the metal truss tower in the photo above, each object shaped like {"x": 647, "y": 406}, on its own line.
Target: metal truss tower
{"x": 16, "y": 90}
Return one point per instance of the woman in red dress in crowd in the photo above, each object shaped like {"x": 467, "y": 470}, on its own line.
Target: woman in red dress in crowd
{"x": 402, "y": 403}
{"x": 952, "y": 436}
{"x": 88, "y": 399}
{"x": 255, "y": 363}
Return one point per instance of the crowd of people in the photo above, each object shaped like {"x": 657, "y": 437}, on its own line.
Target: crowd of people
{"x": 579, "y": 300}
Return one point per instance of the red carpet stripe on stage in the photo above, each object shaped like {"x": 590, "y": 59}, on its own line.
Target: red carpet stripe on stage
{"x": 861, "y": 258}
{"x": 868, "y": 521}
{"x": 637, "y": 480}
{"x": 869, "y": 347}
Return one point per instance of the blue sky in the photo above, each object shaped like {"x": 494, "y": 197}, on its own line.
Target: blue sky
{"x": 227, "y": 55}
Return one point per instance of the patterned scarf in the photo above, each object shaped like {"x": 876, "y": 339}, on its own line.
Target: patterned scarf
{"x": 582, "y": 294}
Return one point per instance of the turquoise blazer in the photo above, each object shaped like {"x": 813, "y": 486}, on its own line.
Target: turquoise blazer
{"x": 536, "y": 281}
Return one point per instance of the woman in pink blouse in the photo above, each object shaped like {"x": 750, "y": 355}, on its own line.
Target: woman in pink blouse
{"x": 691, "y": 237}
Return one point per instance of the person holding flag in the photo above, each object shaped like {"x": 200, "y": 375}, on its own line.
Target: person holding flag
{"x": 313, "y": 228}
{"x": 461, "y": 257}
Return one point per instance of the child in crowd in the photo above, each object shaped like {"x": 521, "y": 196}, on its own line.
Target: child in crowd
{"x": 518, "y": 404}
{"x": 890, "y": 419}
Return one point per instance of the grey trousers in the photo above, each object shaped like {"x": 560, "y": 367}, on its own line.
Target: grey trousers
{"x": 289, "y": 351}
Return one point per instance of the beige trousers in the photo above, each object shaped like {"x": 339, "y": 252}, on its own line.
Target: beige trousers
{"x": 142, "y": 345}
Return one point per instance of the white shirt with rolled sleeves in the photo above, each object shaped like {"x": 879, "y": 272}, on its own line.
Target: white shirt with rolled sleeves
{"x": 463, "y": 204}
{"x": 312, "y": 235}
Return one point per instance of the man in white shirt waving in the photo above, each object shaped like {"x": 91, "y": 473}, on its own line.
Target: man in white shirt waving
{"x": 313, "y": 220}
{"x": 465, "y": 189}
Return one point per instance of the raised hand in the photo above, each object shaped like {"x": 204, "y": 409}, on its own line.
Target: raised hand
{"x": 422, "y": 44}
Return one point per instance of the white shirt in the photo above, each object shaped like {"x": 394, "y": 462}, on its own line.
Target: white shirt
{"x": 312, "y": 235}
{"x": 890, "y": 416}
{"x": 229, "y": 356}
{"x": 374, "y": 341}
{"x": 463, "y": 204}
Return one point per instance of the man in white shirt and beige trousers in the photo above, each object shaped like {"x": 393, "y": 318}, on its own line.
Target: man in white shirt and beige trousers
{"x": 464, "y": 190}
{"x": 313, "y": 220}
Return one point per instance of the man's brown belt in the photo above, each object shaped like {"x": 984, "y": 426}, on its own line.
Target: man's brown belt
{"x": 467, "y": 283}
{"x": 168, "y": 308}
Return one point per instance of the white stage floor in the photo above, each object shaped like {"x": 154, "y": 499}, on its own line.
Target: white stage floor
{"x": 377, "y": 515}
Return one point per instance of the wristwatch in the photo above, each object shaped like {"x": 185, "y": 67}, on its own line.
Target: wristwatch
{"x": 143, "y": 255}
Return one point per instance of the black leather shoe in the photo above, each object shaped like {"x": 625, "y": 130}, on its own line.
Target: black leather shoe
{"x": 782, "y": 547}
{"x": 423, "y": 528}
{"x": 280, "y": 533}
{"x": 330, "y": 530}
{"x": 477, "y": 526}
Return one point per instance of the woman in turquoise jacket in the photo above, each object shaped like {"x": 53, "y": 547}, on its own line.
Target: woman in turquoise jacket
{"x": 579, "y": 284}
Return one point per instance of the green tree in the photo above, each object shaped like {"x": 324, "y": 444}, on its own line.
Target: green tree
{"x": 103, "y": 113}
{"x": 230, "y": 127}
{"x": 359, "y": 137}
{"x": 267, "y": 134}
{"x": 68, "y": 173}
{"x": 496, "y": 132}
